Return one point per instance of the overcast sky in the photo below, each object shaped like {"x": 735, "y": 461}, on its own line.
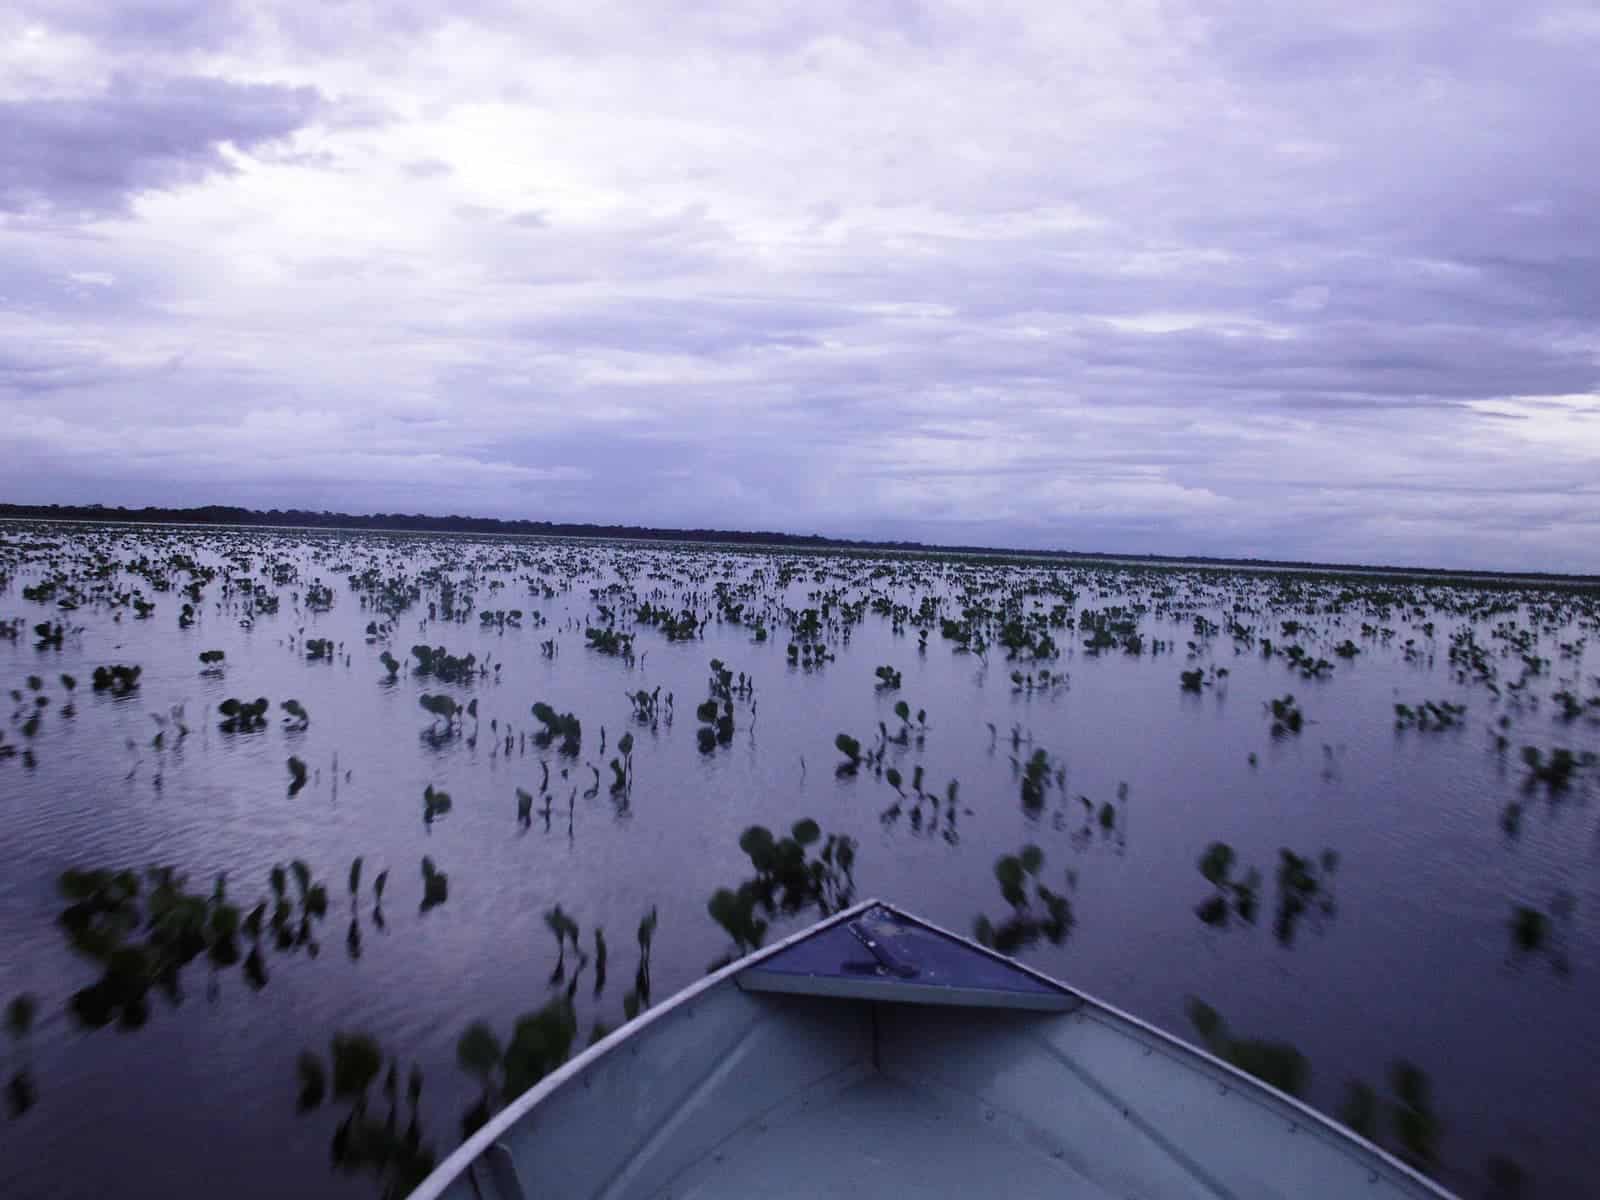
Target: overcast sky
{"x": 1311, "y": 280}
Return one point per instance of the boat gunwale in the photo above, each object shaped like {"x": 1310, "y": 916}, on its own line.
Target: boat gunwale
{"x": 468, "y": 1152}
{"x": 461, "y": 1159}
{"x": 1251, "y": 1086}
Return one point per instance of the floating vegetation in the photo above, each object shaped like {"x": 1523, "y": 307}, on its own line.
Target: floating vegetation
{"x": 851, "y": 749}
{"x": 1555, "y": 770}
{"x": 638, "y": 999}
{"x": 1042, "y": 681}
{"x": 447, "y": 714}
{"x": 1304, "y": 888}
{"x": 21, "y": 1090}
{"x": 1429, "y": 715}
{"x": 118, "y": 680}
{"x": 1276, "y": 1063}
{"x": 435, "y": 804}
{"x": 888, "y": 678}
{"x": 435, "y": 883}
{"x": 562, "y": 729}
{"x": 565, "y": 929}
{"x": 789, "y": 879}
{"x": 1236, "y": 896}
{"x": 681, "y": 626}
{"x": 1039, "y": 774}
{"x": 610, "y": 641}
{"x": 540, "y": 1042}
{"x": 297, "y": 775}
{"x": 648, "y": 706}
{"x": 1020, "y": 886}
{"x": 1401, "y": 1119}
{"x": 437, "y": 663}
{"x": 716, "y": 714}
{"x": 1286, "y": 716}
{"x": 394, "y": 1151}
{"x": 1538, "y": 933}
{"x": 142, "y": 930}
{"x": 240, "y": 716}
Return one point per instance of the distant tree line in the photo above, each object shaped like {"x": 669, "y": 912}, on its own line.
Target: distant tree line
{"x": 227, "y": 514}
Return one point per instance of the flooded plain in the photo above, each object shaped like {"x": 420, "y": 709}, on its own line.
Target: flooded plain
{"x": 318, "y": 847}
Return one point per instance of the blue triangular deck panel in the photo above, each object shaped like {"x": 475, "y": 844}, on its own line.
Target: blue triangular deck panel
{"x": 885, "y": 955}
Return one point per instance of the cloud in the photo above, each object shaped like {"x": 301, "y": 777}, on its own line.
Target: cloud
{"x": 1187, "y": 278}
{"x": 89, "y": 155}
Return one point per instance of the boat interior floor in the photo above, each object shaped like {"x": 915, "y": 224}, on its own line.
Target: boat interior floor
{"x": 871, "y": 1135}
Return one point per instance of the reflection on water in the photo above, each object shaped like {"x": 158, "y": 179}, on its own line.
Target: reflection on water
{"x": 21, "y": 1091}
{"x": 1440, "y": 733}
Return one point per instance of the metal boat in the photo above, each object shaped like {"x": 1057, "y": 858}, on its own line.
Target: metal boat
{"x": 876, "y": 1055}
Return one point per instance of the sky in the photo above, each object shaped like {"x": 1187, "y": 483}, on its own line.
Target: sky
{"x": 1311, "y": 281}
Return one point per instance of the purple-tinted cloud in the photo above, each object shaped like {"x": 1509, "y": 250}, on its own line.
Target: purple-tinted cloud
{"x": 1208, "y": 278}
{"x": 87, "y": 155}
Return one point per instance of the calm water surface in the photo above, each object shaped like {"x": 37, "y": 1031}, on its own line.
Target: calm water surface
{"x": 1455, "y": 926}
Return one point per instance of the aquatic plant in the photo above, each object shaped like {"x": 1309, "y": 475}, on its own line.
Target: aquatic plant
{"x": 435, "y": 804}
{"x": 1557, "y": 770}
{"x": 565, "y": 930}
{"x": 435, "y": 885}
{"x": 541, "y": 1040}
{"x": 638, "y": 999}
{"x": 1429, "y": 715}
{"x": 396, "y": 1153}
{"x": 1286, "y": 716}
{"x": 241, "y": 716}
{"x": 564, "y": 726}
{"x": 1018, "y": 877}
{"x": 1234, "y": 897}
{"x": 1277, "y": 1063}
{"x": 610, "y": 641}
{"x": 21, "y": 1090}
{"x": 1304, "y": 886}
{"x": 788, "y": 880}
{"x": 442, "y": 708}
{"x": 119, "y": 680}
{"x": 438, "y": 663}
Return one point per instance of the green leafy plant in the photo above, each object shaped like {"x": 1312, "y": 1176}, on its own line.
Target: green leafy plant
{"x": 788, "y": 880}
{"x": 1052, "y": 920}
{"x": 241, "y": 716}
{"x": 1234, "y": 896}
{"x": 435, "y": 804}
{"x": 564, "y": 729}
{"x": 118, "y": 680}
{"x": 435, "y": 886}
{"x": 1286, "y": 716}
{"x": 1277, "y": 1063}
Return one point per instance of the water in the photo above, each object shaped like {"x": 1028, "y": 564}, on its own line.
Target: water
{"x": 1406, "y": 952}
